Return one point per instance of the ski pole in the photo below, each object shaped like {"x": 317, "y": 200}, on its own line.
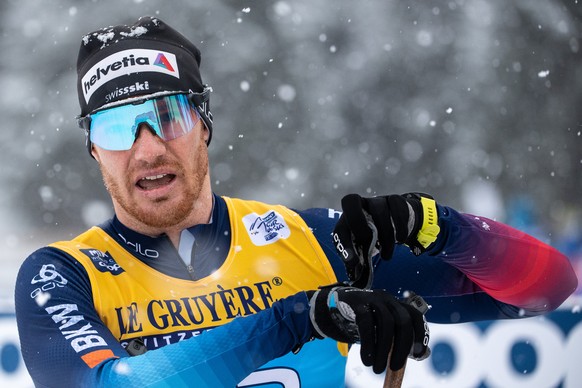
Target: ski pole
{"x": 393, "y": 379}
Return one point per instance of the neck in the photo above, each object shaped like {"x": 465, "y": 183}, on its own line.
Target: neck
{"x": 201, "y": 214}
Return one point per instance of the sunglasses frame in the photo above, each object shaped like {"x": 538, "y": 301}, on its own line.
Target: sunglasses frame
{"x": 199, "y": 100}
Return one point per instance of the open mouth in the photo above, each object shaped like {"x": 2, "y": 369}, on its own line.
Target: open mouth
{"x": 155, "y": 181}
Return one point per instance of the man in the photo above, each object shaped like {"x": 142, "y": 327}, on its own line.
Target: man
{"x": 186, "y": 288}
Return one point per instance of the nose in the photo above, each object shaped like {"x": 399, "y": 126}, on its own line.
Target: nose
{"x": 148, "y": 145}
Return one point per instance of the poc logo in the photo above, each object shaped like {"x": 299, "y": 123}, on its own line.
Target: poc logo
{"x": 340, "y": 247}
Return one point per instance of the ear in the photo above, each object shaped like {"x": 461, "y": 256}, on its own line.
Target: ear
{"x": 205, "y": 133}
{"x": 95, "y": 154}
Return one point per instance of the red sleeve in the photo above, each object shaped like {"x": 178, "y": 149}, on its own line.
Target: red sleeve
{"x": 510, "y": 265}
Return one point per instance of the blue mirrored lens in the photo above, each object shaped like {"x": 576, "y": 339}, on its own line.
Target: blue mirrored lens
{"x": 116, "y": 129}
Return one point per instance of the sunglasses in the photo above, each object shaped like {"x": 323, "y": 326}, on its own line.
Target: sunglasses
{"x": 116, "y": 128}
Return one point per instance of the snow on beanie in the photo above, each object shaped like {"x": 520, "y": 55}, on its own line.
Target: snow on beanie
{"x": 120, "y": 62}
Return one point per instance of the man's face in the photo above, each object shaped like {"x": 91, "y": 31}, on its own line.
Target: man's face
{"x": 156, "y": 183}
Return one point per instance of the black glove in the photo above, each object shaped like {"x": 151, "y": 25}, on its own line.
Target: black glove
{"x": 409, "y": 219}
{"x": 376, "y": 320}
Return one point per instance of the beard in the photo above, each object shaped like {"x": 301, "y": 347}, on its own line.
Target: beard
{"x": 162, "y": 213}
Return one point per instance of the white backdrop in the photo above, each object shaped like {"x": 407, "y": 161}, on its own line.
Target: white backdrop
{"x": 536, "y": 352}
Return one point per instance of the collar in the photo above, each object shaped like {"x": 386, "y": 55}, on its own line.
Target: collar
{"x": 212, "y": 243}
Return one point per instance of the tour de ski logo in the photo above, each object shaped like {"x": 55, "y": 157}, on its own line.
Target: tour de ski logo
{"x": 266, "y": 228}
{"x": 103, "y": 261}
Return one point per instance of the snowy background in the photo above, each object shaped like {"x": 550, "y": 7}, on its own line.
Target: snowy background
{"x": 475, "y": 102}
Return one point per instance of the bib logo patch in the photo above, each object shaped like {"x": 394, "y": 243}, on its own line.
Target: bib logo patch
{"x": 103, "y": 261}
{"x": 266, "y": 228}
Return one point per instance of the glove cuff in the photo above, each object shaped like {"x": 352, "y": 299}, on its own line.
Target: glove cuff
{"x": 430, "y": 229}
{"x": 316, "y": 309}
{"x": 426, "y": 222}
{"x": 325, "y": 315}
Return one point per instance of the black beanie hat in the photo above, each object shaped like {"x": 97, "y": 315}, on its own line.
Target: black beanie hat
{"x": 147, "y": 58}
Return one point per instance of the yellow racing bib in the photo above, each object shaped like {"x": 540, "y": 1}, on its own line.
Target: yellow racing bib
{"x": 272, "y": 255}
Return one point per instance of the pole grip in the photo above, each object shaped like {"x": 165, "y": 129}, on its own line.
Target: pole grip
{"x": 393, "y": 379}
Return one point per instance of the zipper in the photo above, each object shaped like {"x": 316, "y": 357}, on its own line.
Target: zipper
{"x": 190, "y": 267}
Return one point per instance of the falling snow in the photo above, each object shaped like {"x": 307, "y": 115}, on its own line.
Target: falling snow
{"x": 299, "y": 87}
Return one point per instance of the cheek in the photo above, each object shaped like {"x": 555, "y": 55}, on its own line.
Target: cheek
{"x": 189, "y": 151}
{"x": 112, "y": 167}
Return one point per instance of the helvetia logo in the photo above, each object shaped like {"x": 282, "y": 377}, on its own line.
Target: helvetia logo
{"x": 125, "y": 63}
{"x": 162, "y": 61}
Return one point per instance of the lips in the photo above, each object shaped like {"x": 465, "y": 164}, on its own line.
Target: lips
{"x": 155, "y": 181}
